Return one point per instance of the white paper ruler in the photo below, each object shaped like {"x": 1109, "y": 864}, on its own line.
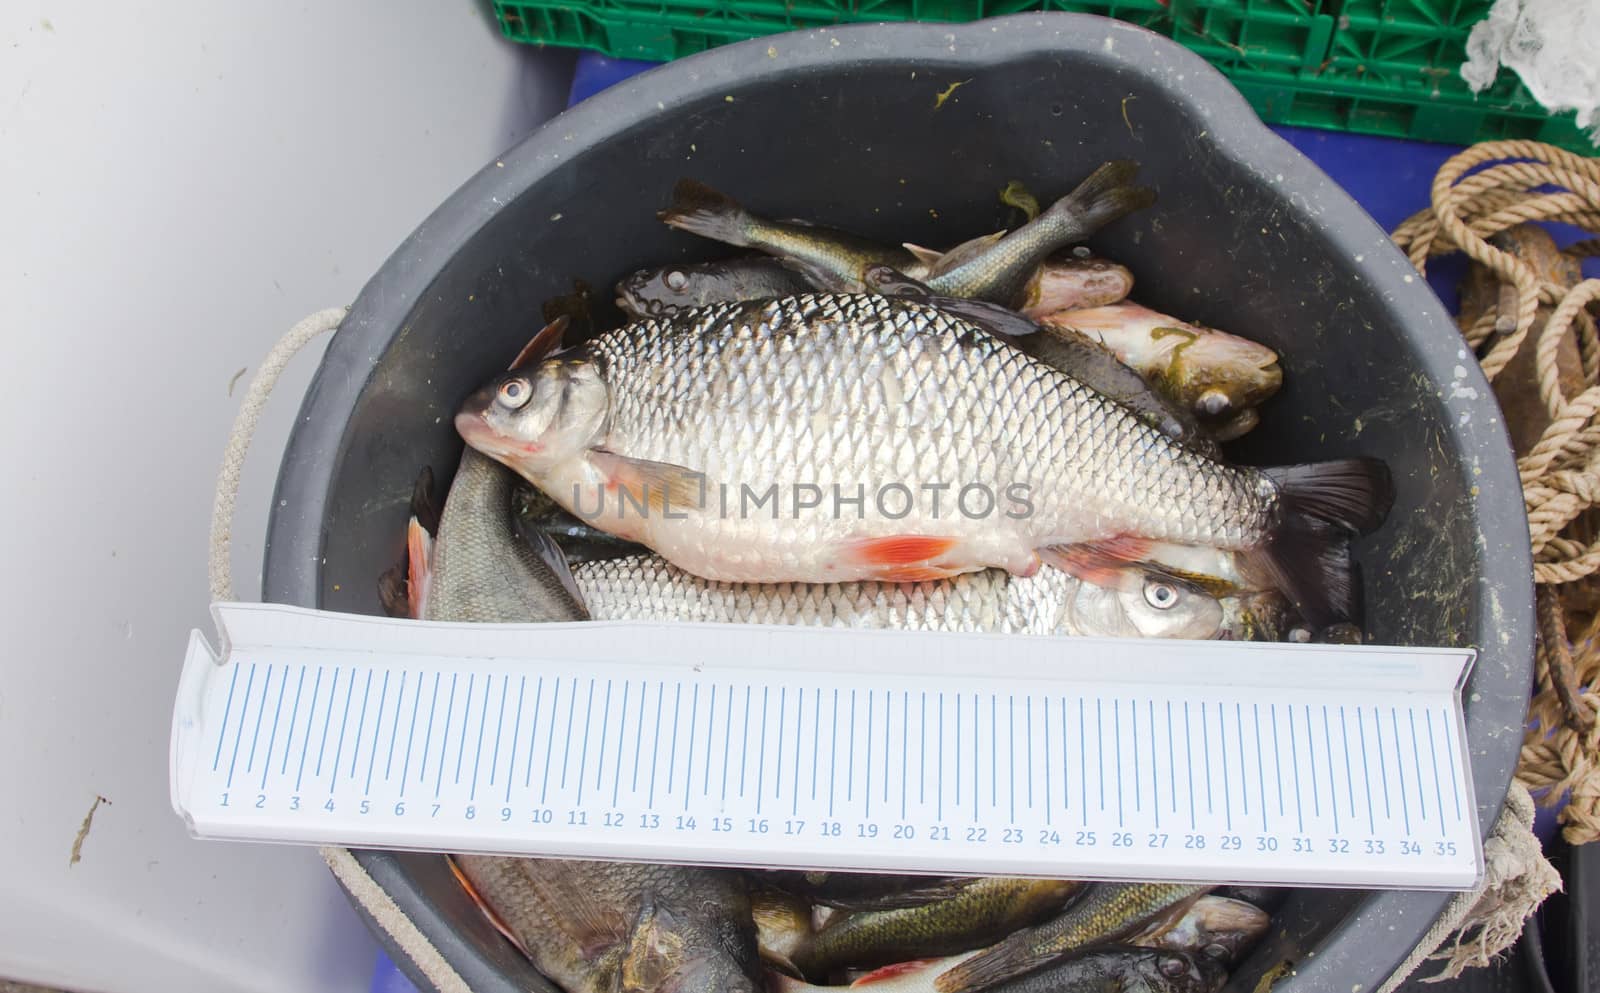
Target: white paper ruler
{"x": 816, "y": 748}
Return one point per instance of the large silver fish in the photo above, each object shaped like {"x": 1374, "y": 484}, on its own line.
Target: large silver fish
{"x": 812, "y": 438}
{"x": 647, "y": 587}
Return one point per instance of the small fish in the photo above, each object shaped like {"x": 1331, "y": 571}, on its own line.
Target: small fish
{"x": 1001, "y": 273}
{"x": 674, "y": 289}
{"x": 1216, "y": 927}
{"x": 804, "y": 402}
{"x": 1112, "y": 969}
{"x": 1148, "y": 605}
{"x": 1215, "y": 374}
{"x": 978, "y": 912}
{"x": 600, "y": 927}
{"x": 1068, "y": 282}
{"x": 828, "y": 258}
{"x": 1109, "y": 913}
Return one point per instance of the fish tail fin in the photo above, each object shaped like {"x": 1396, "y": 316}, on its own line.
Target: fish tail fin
{"x": 1102, "y": 198}
{"x": 984, "y": 969}
{"x": 699, "y": 209}
{"x": 419, "y": 555}
{"x": 1322, "y": 506}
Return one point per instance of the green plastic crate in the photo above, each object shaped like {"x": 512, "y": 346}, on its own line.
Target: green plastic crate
{"x": 1386, "y": 67}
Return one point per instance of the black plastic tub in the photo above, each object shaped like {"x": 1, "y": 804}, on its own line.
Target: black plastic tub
{"x": 847, "y": 126}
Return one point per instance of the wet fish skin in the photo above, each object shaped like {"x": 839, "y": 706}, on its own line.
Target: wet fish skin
{"x": 480, "y": 569}
{"x": 1108, "y": 913}
{"x": 1051, "y": 602}
{"x": 600, "y": 927}
{"x": 830, "y": 259}
{"x": 1112, "y": 969}
{"x": 1215, "y": 374}
{"x": 673, "y": 289}
{"x": 830, "y": 392}
{"x": 1216, "y": 927}
{"x": 981, "y": 911}
{"x": 1068, "y": 282}
{"x": 1086, "y": 361}
{"x": 1001, "y": 274}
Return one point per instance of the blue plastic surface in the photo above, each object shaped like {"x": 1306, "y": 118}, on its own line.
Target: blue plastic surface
{"x": 1389, "y": 177}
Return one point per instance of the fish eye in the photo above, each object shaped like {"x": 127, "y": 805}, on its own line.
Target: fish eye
{"x": 1213, "y": 403}
{"x": 1173, "y": 967}
{"x": 1081, "y": 252}
{"x": 677, "y": 281}
{"x": 515, "y": 394}
{"x": 1160, "y": 594}
{"x": 1215, "y": 951}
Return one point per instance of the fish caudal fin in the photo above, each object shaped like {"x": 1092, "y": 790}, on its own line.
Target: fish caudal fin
{"x": 1321, "y": 507}
{"x": 699, "y": 209}
{"x": 1102, "y": 198}
{"x": 419, "y": 562}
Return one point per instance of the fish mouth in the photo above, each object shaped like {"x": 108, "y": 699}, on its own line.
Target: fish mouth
{"x": 475, "y": 431}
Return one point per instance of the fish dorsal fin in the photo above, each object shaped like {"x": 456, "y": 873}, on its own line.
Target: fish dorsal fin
{"x": 546, "y": 341}
{"x": 570, "y": 900}
{"x": 963, "y": 253}
{"x": 927, "y": 256}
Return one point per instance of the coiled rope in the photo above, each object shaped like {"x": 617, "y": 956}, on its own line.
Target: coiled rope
{"x": 1541, "y": 312}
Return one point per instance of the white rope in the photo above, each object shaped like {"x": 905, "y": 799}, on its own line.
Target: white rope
{"x": 244, "y": 428}
{"x": 379, "y": 904}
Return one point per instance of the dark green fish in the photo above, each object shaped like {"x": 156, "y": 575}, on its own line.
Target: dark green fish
{"x": 831, "y": 259}
{"x": 674, "y": 289}
{"x": 1109, "y": 913}
{"x": 1000, "y": 274}
{"x": 980, "y": 911}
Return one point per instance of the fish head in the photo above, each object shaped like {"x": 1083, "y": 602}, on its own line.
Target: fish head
{"x": 660, "y": 292}
{"x": 1259, "y": 616}
{"x": 673, "y": 949}
{"x": 538, "y": 417}
{"x": 783, "y": 925}
{"x": 1218, "y": 375}
{"x": 1140, "y": 603}
{"x": 1227, "y": 929}
{"x": 1168, "y": 971}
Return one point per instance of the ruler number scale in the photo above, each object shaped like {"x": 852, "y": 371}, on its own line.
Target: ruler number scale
{"x": 740, "y": 762}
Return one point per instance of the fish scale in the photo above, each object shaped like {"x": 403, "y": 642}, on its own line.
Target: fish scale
{"x": 745, "y": 408}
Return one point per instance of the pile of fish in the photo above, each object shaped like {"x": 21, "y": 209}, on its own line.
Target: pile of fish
{"x": 838, "y": 432}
